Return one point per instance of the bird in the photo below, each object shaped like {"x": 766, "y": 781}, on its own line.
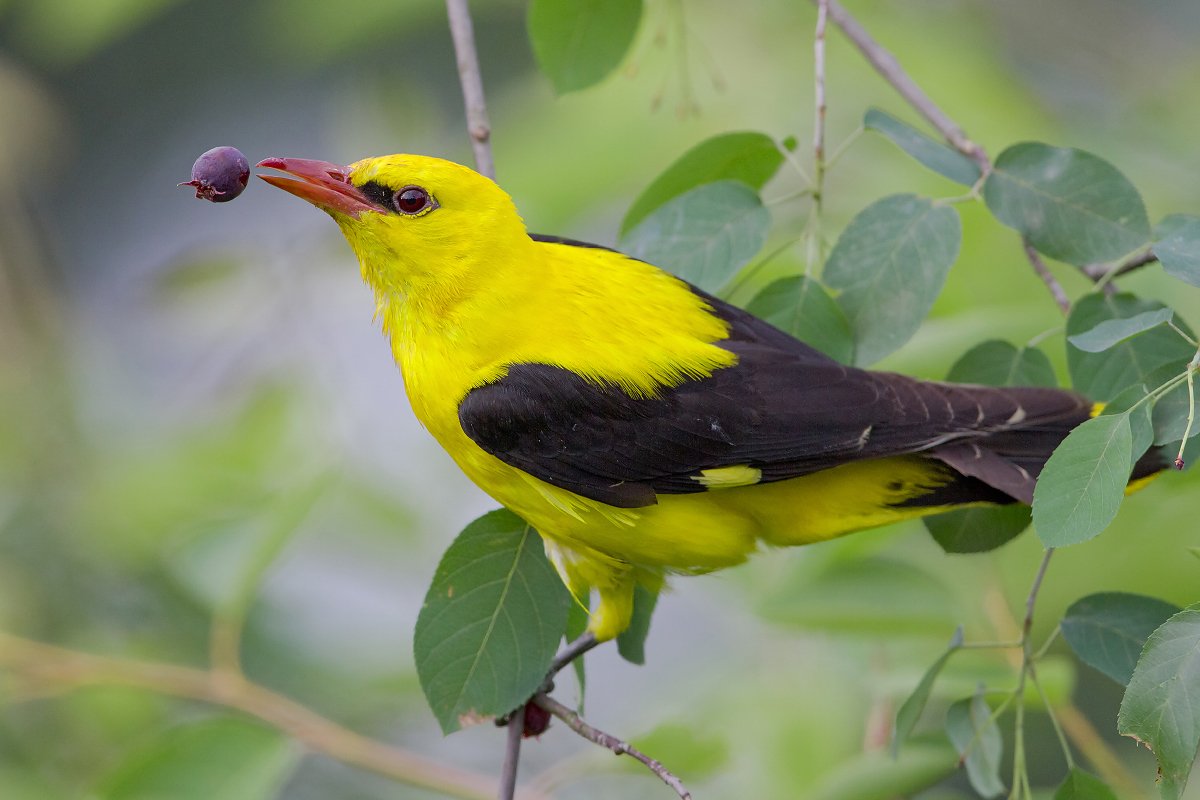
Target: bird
{"x": 644, "y": 427}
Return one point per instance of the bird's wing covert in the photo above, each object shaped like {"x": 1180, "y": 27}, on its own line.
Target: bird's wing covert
{"x": 783, "y": 409}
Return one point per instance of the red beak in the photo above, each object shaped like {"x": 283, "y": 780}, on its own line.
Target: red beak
{"x": 325, "y": 185}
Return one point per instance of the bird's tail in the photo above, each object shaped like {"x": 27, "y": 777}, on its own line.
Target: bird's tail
{"x": 1006, "y": 463}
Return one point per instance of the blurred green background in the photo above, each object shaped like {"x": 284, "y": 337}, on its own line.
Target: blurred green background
{"x": 193, "y": 397}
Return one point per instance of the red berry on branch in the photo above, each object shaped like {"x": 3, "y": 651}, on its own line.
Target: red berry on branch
{"x": 537, "y": 720}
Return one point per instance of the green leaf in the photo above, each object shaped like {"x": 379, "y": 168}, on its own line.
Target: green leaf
{"x": 577, "y": 622}
{"x": 704, "y": 235}
{"x": 491, "y": 621}
{"x": 1102, "y": 376}
{"x": 999, "y": 363}
{"x": 945, "y": 161}
{"x": 976, "y": 737}
{"x": 1080, "y": 785}
{"x": 1108, "y": 630}
{"x": 631, "y": 642}
{"x": 801, "y": 307}
{"x": 1161, "y": 707}
{"x": 221, "y": 757}
{"x": 914, "y": 704}
{"x": 1069, "y": 204}
{"x": 1164, "y": 423}
{"x": 978, "y": 530}
{"x": 890, "y": 264}
{"x": 1141, "y": 433}
{"x": 1114, "y": 331}
{"x": 747, "y": 157}
{"x": 1083, "y": 483}
{"x": 1178, "y": 247}
{"x": 578, "y": 43}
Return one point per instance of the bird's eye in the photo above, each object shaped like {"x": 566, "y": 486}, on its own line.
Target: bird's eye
{"x": 413, "y": 200}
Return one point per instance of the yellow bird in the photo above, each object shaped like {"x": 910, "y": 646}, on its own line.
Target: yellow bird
{"x": 642, "y": 426}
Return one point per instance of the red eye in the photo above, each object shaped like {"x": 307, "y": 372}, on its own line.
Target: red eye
{"x": 412, "y": 200}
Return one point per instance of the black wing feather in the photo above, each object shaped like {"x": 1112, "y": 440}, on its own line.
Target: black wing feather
{"x": 784, "y": 408}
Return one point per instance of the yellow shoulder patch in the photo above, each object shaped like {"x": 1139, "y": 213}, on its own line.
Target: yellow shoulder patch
{"x": 728, "y": 477}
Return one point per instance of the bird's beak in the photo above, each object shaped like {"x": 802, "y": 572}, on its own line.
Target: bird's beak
{"x": 326, "y": 186}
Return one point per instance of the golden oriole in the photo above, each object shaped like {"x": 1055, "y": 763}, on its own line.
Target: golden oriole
{"x": 641, "y": 425}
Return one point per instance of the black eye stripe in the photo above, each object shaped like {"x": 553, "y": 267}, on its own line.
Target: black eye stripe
{"x": 378, "y": 194}
{"x": 390, "y": 200}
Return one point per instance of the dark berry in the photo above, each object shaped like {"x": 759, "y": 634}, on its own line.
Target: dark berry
{"x": 220, "y": 174}
{"x": 537, "y": 720}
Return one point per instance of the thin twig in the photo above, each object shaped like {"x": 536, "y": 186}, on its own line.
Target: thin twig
{"x": 569, "y": 653}
{"x": 819, "y": 95}
{"x": 512, "y": 754}
{"x": 621, "y": 748}
{"x": 1020, "y": 771}
{"x": 816, "y": 254}
{"x": 1058, "y": 729}
{"x": 1183, "y": 334}
{"x": 1020, "y": 774}
{"x": 841, "y": 149}
{"x": 64, "y": 669}
{"x": 887, "y": 66}
{"x": 891, "y": 71}
{"x": 1031, "y": 600}
{"x": 1191, "y": 418}
{"x": 1056, "y": 289}
{"x": 478, "y": 126}
{"x": 1138, "y": 260}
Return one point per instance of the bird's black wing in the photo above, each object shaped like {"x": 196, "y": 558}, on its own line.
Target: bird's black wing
{"x": 783, "y": 408}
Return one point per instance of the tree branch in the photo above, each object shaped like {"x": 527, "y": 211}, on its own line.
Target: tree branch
{"x": 1099, "y": 271}
{"x": 891, "y": 71}
{"x": 1043, "y": 272}
{"x": 889, "y": 68}
{"x": 819, "y": 97}
{"x": 815, "y": 251}
{"x": 1031, "y": 599}
{"x": 478, "y": 126}
{"x": 512, "y": 754}
{"x": 619, "y": 747}
{"x": 572, "y": 651}
{"x": 64, "y": 670}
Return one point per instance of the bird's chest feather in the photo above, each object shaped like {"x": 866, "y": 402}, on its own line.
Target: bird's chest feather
{"x": 438, "y": 372}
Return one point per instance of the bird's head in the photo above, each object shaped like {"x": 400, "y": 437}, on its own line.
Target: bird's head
{"x": 420, "y": 226}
